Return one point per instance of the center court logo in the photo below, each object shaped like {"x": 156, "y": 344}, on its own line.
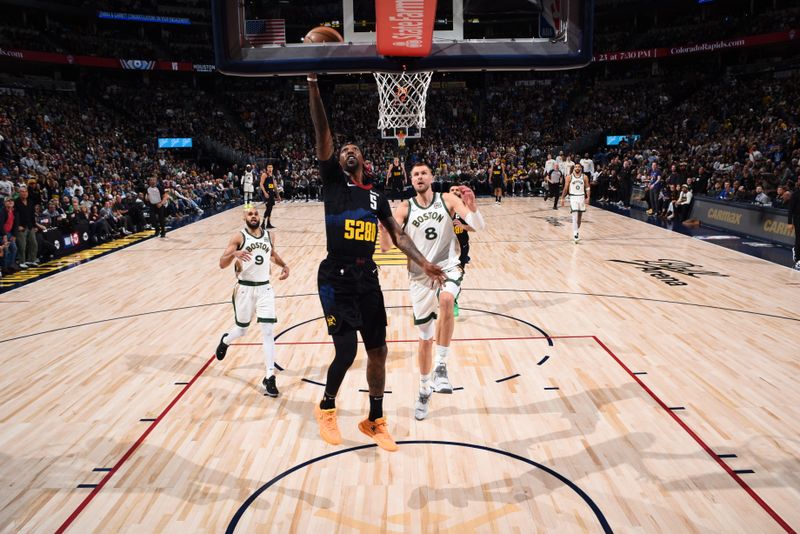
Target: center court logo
{"x": 660, "y": 268}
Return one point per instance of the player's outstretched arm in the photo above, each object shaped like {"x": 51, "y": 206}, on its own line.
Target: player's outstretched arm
{"x": 232, "y": 252}
{"x": 466, "y": 207}
{"x": 399, "y": 215}
{"x": 404, "y": 243}
{"x": 321, "y": 128}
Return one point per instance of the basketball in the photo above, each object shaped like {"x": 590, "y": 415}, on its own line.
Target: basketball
{"x": 323, "y": 34}
{"x": 539, "y": 217}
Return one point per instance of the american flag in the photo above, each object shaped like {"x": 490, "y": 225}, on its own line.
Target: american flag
{"x": 266, "y": 31}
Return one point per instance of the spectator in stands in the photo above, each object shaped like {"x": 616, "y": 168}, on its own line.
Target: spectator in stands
{"x": 157, "y": 197}
{"x": 674, "y": 178}
{"x": 7, "y": 224}
{"x": 780, "y": 198}
{"x": 625, "y": 184}
{"x": 653, "y": 188}
{"x": 727, "y": 191}
{"x": 741, "y": 194}
{"x": 25, "y": 223}
{"x": 43, "y": 223}
{"x": 761, "y": 197}
{"x": 681, "y": 207}
{"x": 99, "y": 228}
{"x": 6, "y": 185}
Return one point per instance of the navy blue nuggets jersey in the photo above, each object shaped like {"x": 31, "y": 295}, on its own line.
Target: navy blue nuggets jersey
{"x": 352, "y": 212}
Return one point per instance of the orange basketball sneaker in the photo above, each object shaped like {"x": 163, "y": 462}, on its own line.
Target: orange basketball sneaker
{"x": 328, "y": 427}
{"x": 379, "y": 432}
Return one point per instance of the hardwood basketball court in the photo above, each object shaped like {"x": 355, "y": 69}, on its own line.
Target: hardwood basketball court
{"x": 639, "y": 381}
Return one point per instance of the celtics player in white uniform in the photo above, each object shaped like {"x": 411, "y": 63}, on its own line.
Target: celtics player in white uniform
{"x": 248, "y": 180}
{"x": 427, "y": 219}
{"x": 252, "y": 249}
{"x": 578, "y": 190}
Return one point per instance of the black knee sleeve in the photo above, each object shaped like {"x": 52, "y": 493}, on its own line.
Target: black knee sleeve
{"x": 346, "y": 345}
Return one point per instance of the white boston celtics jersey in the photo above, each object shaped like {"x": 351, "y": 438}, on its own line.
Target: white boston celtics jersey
{"x": 431, "y": 229}
{"x": 247, "y": 180}
{"x": 260, "y": 249}
{"x": 577, "y": 186}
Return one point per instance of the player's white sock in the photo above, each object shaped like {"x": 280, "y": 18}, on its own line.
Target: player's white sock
{"x": 575, "y": 223}
{"x": 269, "y": 348}
{"x": 425, "y": 384}
{"x": 441, "y": 354}
{"x": 234, "y": 333}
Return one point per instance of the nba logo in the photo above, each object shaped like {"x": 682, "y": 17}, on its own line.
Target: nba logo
{"x": 174, "y": 65}
{"x": 550, "y": 19}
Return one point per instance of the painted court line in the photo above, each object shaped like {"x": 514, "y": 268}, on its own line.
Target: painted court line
{"x": 131, "y": 450}
{"x": 733, "y": 474}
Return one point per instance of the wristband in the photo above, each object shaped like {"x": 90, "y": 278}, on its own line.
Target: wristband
{"x": 475, "y": 220}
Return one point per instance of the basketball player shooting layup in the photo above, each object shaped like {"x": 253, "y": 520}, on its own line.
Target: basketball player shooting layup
{"x": 252, "y": 249}
{"x": 577, "y": 187}
{"x": 348, "y": 278}
{"x": 427, "y": 219}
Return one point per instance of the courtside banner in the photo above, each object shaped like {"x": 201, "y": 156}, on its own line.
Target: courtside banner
{"x": 94, "y": 61}
{"x": 404, "y": 27}
{"x": 724, "y": 44}
{"x": 769, "y": 224}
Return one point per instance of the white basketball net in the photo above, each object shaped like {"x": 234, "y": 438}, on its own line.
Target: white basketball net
{"x": 402, "y": 98}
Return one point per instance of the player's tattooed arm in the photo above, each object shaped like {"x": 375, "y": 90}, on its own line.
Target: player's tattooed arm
{"x": 321, "y": 128}
{"x": 386, "y": 238}
{"x": 232, "y": 252}
{"x": 404, "y": 243}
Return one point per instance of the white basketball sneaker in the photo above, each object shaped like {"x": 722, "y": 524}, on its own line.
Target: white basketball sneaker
{"x": 421, "y": 407}
{"x": 441, "y": 383}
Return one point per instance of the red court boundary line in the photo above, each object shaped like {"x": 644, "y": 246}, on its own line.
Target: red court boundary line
{"x": 131, "y": 450}
{"x": 750, "y": 491}
{"x": 745, "y": 486}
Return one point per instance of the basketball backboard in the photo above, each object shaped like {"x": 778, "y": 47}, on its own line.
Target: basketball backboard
{"x": 264, "y": 37}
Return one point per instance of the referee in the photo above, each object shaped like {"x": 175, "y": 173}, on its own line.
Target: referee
{"x": 349, "y": 289}
{"x": 158, "y": 207}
